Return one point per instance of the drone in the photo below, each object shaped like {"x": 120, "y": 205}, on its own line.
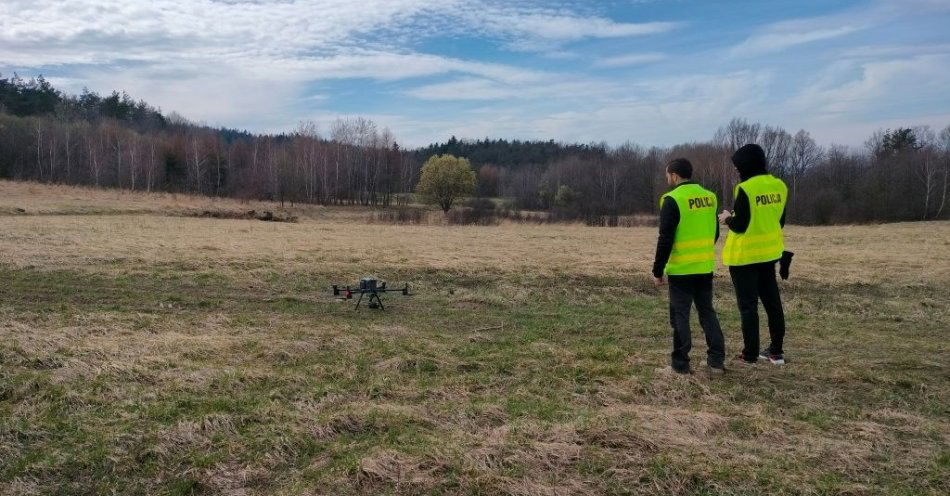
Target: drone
{"x": 368, "y": 286}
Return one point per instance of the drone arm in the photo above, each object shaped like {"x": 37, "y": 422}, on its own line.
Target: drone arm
{"x": 404, "y": 290}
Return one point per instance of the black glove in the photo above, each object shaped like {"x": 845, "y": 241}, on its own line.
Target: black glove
{"x": 784, "y": 264}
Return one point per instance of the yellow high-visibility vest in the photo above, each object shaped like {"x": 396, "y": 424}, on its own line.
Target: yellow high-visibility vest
{"x": 694, "y": 250}
{"x": 763, "y": 240}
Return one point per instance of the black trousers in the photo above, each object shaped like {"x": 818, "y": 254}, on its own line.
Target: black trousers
{"x": 684, "y": 291}
{"x": 754, "y": 282}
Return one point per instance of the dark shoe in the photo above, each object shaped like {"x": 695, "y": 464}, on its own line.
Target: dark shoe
{"x": 685, "y": 371}
{"x": 742, "y": 359}
{"x": 716, "y": 371}
{"x": 774, "y": 359}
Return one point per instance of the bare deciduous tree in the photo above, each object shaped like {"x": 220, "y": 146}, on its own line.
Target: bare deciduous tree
{"x": 776, "y": 143}
{"x": 804, "y": 154}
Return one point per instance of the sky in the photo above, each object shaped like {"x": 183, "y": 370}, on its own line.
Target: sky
{"x": 657, "y": 72}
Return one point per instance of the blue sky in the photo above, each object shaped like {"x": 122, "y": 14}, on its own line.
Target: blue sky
{"x": 653, "y": 72}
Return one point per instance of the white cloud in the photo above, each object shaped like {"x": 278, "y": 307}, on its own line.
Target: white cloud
{"x": 629, "y": 60}
{"x": 775, "y": 41}
{"x": 464, "y": 89}
{"x": 854, "y": 132}
{"x": 782, "y": 35}
{"x": 226, "y": 63}
{"x": 669, "y": 110}
{"x": 232, "y": 62}
{"x": 213, "y": 97}
{"x": 50, "y": 32}
{"x": 385, "y": 66}
{"x": 556, "y": 27}
{"x": 562, "y": 87}
{"x": 250, "y": 63}
{"x": 849, "y": 88}
{"x": 543, "y": 22}
{"x": 879, "y": 51}
{"x": 544, "y": 30}
{"x": 658, "y": 111}
{"x": 283, "y": 42}
{"x": 45, "y": 32}
{"x": 785, "y": 34}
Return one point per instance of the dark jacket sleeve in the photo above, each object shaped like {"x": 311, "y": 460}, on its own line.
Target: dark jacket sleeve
{"x": 782, "y": 220}
{"x": 741, "y": 214}
{"x": 669, "y": 219}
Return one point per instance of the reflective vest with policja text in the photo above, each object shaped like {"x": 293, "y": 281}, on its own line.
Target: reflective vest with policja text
{"x": 762, "y": 241}
{"x": 694, "y": 250}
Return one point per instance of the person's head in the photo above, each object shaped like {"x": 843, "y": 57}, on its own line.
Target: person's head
{"x": 678, "y": 170}
{"x": 749, "y": 161}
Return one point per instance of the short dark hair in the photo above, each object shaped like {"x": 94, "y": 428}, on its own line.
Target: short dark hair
{"x": 681, "y": 167}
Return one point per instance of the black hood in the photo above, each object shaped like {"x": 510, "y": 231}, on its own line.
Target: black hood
{"x": 749, "y": 161}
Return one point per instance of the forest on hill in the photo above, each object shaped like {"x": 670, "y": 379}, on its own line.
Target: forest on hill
{"x": 115, "y": 141}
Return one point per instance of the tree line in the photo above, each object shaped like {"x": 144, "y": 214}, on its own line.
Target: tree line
{"x": 117, "y": 142}
{"x": 899, "y": 175}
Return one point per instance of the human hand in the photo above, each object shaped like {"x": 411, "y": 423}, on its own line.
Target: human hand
{"x": 724, "y": 215}
{"x": 658, "y": 281}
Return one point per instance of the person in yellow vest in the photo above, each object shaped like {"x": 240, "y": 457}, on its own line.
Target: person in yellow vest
{"x": 754, "y": 244}
{"x": 686, "y": 255}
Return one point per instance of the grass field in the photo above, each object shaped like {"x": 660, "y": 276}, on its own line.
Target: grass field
{"x": 143, "y": 351}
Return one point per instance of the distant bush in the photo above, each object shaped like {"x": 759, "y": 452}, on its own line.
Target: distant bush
{"x": 400, "y": 215}
{"x": 621, "y": 221}
{"x": 475, "y": 211}
{"x": 481, "y": 204}
{"x": 264, "y": 215}
{"x": 485, "y": 212}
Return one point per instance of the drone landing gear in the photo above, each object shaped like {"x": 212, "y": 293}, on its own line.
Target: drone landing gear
{"x": 373, "y": 302}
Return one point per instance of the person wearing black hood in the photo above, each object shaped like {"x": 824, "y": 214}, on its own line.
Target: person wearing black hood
{"x": 754, "y": 244}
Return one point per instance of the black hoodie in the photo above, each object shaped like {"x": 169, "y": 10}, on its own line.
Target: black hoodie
{"x": 750, "y": 162}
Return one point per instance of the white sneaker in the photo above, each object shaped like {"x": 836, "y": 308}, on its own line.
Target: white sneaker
{"x": 773, "y": 359}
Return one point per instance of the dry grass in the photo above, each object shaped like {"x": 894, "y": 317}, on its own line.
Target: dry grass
{"x": 146, "y": 353}
{"x": 846, "y": 254}
{"x": 45, "y": 199}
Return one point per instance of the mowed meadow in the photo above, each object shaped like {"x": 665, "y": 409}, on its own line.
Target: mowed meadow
{"x": 147, "y": 350}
